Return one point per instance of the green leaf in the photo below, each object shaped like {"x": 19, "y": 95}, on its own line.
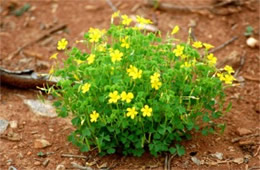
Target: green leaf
{"x": 107, "y": 138}
{"x": 249, "y": 31}
{"x": 206, "y": 118}
{"x": 86, "y": 132}
{"x": 157, "y": 136}
{"x": 172, "y": 150}
{"x": 180, "y": 150}
{"x": 229, "y": 107}
{"x": 216, "y": 115}
{"x": 111, "y": 151}
{"x": 205, "y": 131}
{"x": 161, "y": 130}
{"x": 63, "y": 112}
{"x": 84, "y": 148}
{"x": 57, "y": 103}
{"x": 222, "y": 127}
{"x": 41, "y": 154}
{"x": 75, "y": 121}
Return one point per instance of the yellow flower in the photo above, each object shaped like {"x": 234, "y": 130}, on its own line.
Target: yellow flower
{"x": 147, "y": 111}
{"x": 134, "y": 72}
{"x": 220, "y": 76}
{"x": 131, "y": 112}
{"x": 126, "y": 20}
{"x": 94, "y": 37}
{"x": 54, "y": 56}
{"x": 175, "y": 30}
{"x": 178, "y": 51}
{"x": 127, "y": 96}
{"x": 229, "y": 79}
{"x": 186, "y": 64}
{"x": 137, "y": 74}
{"x": 229, "y": 69}
{"x": 101, "y": 47}
{"x": 211, "y": 59}
{"x": 208, "y": 46}
{"x": 51, "y": 70}
{"x": 91, "y": 58}
{"x": 183, "y": 56}
{"x": 156, "y": 84}
{"x": 155, "y": 77}
{"x": 115, "y": 14}
{"x": 130, "y": 70}
{"x": 85, "y": 87}
{"x": 95, "y": 34}
{"x": 114, "y": 97}
{"x": 197, "y": 44}
{"x": 116, "y": 55}
{"x": 142, "y": 20}
{"x": 78, "y": 61}
{"x": 125, "y": 42}
{"x": 94, "y": 116}
{"x": 62, "y": 44}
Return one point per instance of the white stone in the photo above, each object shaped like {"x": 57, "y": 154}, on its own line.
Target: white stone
{"x": 40, "y": 108}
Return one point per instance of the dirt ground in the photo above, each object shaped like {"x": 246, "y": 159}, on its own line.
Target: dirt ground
{"x": 212, "y": 26}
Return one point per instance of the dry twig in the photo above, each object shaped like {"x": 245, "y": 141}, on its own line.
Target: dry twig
{"x": 75, "y": 165}
{"x": 243, "y": 137}
{"x": 74, "y": 156}
{"x": 166, "y": 162}
{"x": 251, "y": 78}
{"x": 242, "y": 62}
{"x": 169, "y": 162}
{"x": 170, "y": 6}
{"x": 112, "y": 5}
{"x": 257, "y": 151}
{"x": 224, "y": 44}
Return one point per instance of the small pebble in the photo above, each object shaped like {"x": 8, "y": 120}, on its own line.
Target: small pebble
{"x": 60, "y": 167}
{"x": 37, "y": 163}
{"x": 46, "y": 162}
{"x": 13, "y": 124}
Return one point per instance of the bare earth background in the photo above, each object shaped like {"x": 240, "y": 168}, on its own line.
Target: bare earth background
{"x": 17, "y": 144}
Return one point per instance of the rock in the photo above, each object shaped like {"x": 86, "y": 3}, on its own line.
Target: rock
{"x": 3, "y": 125}
{"x": 247, "y": 142}
{"x": 60, "y": 167}
{"x": 243, "y": 131}
{"x": 231, "y": 149}
{"x": 46, "y": 162}
{"x": 252, "y": 42}
{"x": 91, "y": 7}
{"x": 238, "y": 160}
{"x": 20, "y": 156}
{"x": 41, "y": 143}
{"x": 9, "y": 161}
{"x": 12, "y": 168}
{"x": 13, "y": 136}
{"x": 217, "y": 155}
{"x": 195, "y": 160}
{"x": 37, "y": 163}
{"x": 40, "y": 108}
{"x": 13, "y": 124}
